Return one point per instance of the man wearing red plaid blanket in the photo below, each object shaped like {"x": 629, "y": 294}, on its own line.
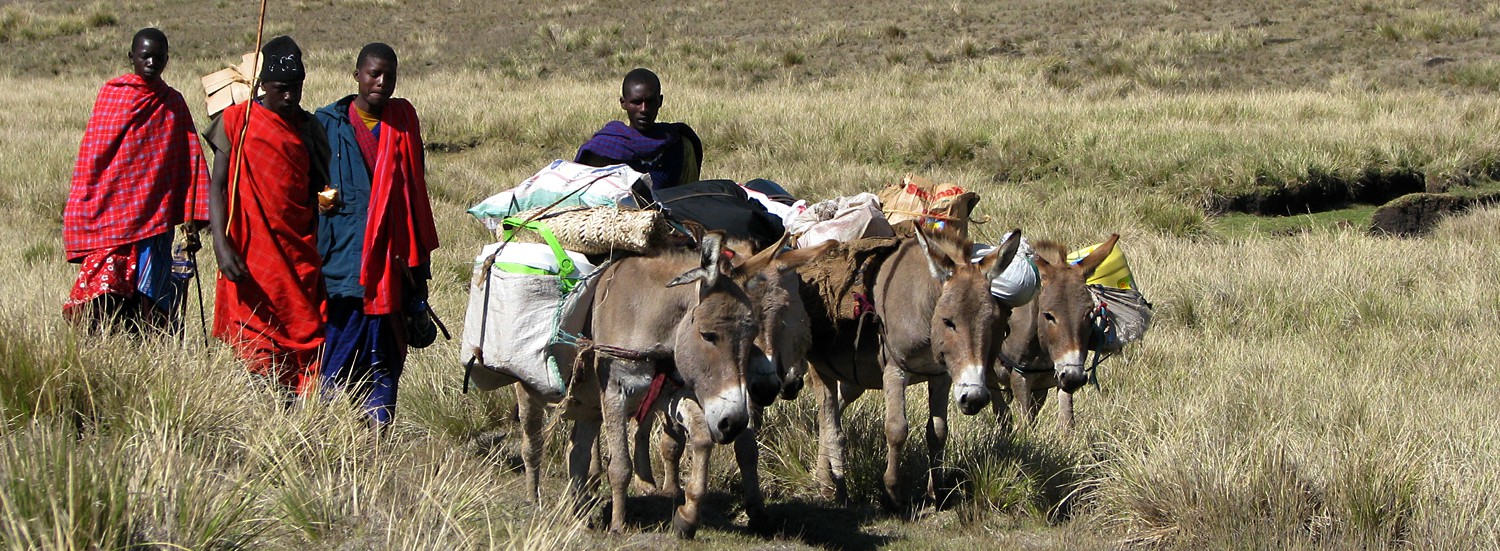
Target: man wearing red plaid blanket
{"x": 272, "y": 162}
{"x": 140, "y": 171}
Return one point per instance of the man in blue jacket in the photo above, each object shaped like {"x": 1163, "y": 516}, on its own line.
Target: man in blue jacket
{"x": 376, "y": 236}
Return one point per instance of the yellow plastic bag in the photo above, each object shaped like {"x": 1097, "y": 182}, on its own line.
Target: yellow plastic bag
{"x": 1114, "y": 272}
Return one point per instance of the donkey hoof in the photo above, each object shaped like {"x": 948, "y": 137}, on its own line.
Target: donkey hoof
{"x": 760, "y": 522}
{"x": 684, "y": 528}
{"x": 641, "y": 487}
{"x": 892, "y": 505}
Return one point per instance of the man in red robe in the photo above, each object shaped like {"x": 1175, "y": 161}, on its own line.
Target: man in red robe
{"x": 140, "y": 171}
{"x": 263, "y": 215}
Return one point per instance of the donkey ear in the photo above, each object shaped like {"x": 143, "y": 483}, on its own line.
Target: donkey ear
{"x": 763, "y": 257}
{"x": 711, "y": 260}
{"x": 795, "y": 259}
{"x": 711, "y": 254}
{"x": 1094, "y": 259}
{"x": 937, "y": 260}
{"x": 780, "y": 245}
{"x": 689, "y": 276}
{"x": 996, "y": 262}
{"x": 1043, "y": 267}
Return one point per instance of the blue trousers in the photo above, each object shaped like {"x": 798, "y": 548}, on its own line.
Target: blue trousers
{"x": 364, "y": 356}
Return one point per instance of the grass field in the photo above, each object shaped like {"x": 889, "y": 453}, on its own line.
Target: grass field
{"x": 1305, "y": 385}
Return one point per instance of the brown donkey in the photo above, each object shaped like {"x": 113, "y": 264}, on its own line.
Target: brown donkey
{"x": 1049, "y": 336}
{"x": 778, "y": 364}
{"x": 936, "y": 325}
{"x": 649, "y": 327}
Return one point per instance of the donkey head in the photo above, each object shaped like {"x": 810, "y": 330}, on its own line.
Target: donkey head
{"x": 1063, "y": 308}
{"x": 965, "y": 314}
{"x": 771, "y": 280}
{"x": 712, "y": 344}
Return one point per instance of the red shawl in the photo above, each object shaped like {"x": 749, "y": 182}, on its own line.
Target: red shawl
{"x": 275, "y": 319}
{"x": 399, "y": 231}
{"x": 139, "y": 168}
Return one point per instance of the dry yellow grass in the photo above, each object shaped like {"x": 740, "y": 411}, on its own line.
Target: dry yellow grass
{"x": 1324, "y": 390}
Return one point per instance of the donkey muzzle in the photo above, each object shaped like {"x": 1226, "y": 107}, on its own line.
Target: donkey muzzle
{"x": 971, "y": 398}
{"x": 762, "y": 381}
{"x": 726, "y": 415}
{"x": 1071, "y": 377}
{"x": 791, "y": 387}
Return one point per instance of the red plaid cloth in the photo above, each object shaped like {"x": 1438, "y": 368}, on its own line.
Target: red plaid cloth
{"x": 275, "y": 319}
{"x": 369, "y": 145}
{"x": 399, "y": 228}
{"x": 139, "y": 167}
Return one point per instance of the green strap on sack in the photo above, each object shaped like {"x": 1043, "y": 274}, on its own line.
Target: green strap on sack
{"x": 565, "y": 266}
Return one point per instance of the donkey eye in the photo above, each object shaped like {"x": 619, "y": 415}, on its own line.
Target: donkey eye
{"x": 709, "y": 336}
{"x": 1049, "y": 317}
{"x": 949, "y": 322}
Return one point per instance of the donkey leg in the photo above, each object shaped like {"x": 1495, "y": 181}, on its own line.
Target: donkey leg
{"x": 645, "y": 481}
{"x": 1026, "y": 399}
{"x": 1065, "y": 409}
{"x": 596, "y": 465}
{"x": 832, "y": 441}
{"x": 1038, "y": 399}
{"x": 747, "y": 456}
{"x": 616, "y": 422}
{"x": 688, "y": 517}
{"x": 532, "y": 415}
{"x": 937, "y": 439}
{"x": 896, "y": 429}
{"x": 581, "y": 452}
{"x": 673, "y": 442}
{"x": 1000, "y": 406}
{"x": 827, "y": 405}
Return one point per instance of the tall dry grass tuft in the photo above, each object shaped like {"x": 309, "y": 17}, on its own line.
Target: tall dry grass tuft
{"x": 1309, "y": 390}
{"x": 59, "y": 493}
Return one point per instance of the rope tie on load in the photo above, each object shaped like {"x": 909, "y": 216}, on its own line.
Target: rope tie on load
{"x": 1018, "y": 367}
{"x": 659, "y": 379}
{"x": 1099, "y": 316}
{"x": 979, "y": 220}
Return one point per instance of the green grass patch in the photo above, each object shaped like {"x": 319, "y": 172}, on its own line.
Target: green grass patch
{"x": 26, "y": 22}
{"x": 1247, "y": 225}
{"x": 1431, "y": 25}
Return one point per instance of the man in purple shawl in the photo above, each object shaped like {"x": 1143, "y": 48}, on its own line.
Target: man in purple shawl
{"x": 670, "y": 152}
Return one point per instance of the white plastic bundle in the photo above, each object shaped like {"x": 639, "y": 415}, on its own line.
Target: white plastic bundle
{"x": 573, "y": 184}
{"x": 842, "y": 219}
{"x": 1019, "y": 283}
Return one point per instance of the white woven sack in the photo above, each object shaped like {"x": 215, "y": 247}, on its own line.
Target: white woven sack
{"x": 600, "y": 186}
{"x": 1019, "y": 283}
{"x": 843, "y": 219}
{"x": 513, "y": 324}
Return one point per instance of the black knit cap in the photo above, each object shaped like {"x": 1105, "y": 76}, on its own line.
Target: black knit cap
{"x": 282, "y": 61}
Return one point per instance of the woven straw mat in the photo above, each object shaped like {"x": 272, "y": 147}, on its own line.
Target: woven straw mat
{"x": 597, "y": 230}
